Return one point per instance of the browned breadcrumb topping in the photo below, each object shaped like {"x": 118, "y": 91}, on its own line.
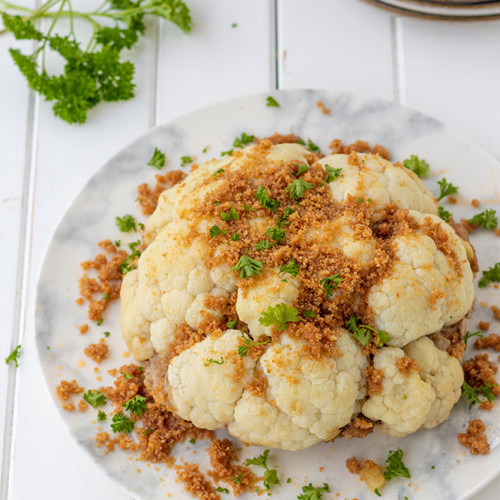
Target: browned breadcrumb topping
{"x": 353, "y": 465}
{"x": 338, "y": 147}
{"x": 484, "y": 326}
{"x": 107, "y": 281}
{"x": 97, "y": 352}
{"x": 479, "y": 371}
{"x": 322, "y": 108}
{"x": 222, "y": 457}
{"x": 475, "y": 203}
{"x": 358, "y": 427}
{"x": 406, "y": 365}
{"x": 452, "y": 200}
{"x": 83, "y": 328}
{"x": 491, "y": 340}
{"x": 258, "y": 385}
{"x": 195, "y": 482}
{"x": 374, "y": 378}
{"x": 65, "y": 390}
{"x": 496, "y": 312}
{"x": 148, "y": 198}
{"x": 475, "y": 438}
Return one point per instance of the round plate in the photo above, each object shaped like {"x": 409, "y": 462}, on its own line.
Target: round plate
{"x": 440, "y": 467}
{"x": 445, "y": 9}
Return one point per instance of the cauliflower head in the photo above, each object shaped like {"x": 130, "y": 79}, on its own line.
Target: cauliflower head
{"x": 278, "y": 284}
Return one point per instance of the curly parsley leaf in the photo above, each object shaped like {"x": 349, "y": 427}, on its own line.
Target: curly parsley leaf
{"x": 309, "y": 314}
{"x": 95, "y": 398}
{"x": 209, "y": 361}
{"x": 417, "y": 166}
{"x": 330, "y": 283}
{"x": 487, "y": 219}
{"x": 231, "y": 215}
{"x": 136, "y": 405}
{"x": 310, "y": 492}
{"x": 263, "y": 245}
{"x": 101, "y": 416}
{"x": 93, "y": 74}
{"x": 231, "y": 324}
{"x": 283, "y": 220}
{"x": 492, "y": 274}
{"x": 14, "y": 356}
{"x": 291, "y": 268}
{"x": 332, "y": 173}
{"x": 248, "y": 267}
{"x": 157, "y": 160}
{"x": 186, "y": 160}
{"x": 298, "y": 187}
{"x": 365, "y": 333}
{"x": 302, "y": 168}
{"x": 243, "y": 349}
{"x": 444, "y": 214}
{"x": 217, "y": 172}
{"x": 235, "y": 237}
{"x": 220, "y": 489}
{"x": 215, "y": 231}
{"x": 395, "y": 466}
{"x": 270, "y": 475}
{"x": 126, "y": 223}
{"x": 276, "y": 234}
{"x": 279, "y": 315}
{"x": 243, "y": 140}
{"x": 473, "y": 393}
{"x": 446, "y": 189}
{"x": 125, "y": 266}
{"x": 469, "y": 335}
{"x": 263, "y": 197}
{"x": 122, "y": 423}
{"x": 271, "y": 102}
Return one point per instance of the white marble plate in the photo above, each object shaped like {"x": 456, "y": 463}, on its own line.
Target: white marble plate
{"x": 440, "y": 467}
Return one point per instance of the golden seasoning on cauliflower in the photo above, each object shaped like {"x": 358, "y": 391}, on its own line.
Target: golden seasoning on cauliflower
{"x": 292, "y": 298}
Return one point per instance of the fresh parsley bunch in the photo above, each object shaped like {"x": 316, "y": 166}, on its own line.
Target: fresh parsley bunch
{"x": 93, "y": 72}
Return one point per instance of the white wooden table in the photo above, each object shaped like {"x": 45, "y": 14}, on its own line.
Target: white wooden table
{"x": 446, "y": 69}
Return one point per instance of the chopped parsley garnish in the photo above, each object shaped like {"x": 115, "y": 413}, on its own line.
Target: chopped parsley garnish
{"x": 249, "y": 209}
{"x": 243, "y": 349}
{"x": 472, "y": 393}
{"x": 395, "y": 466}
{"x": 125, "y": 266}
{"x": 310, "y": 492}
{"x": 469, "y": 335}
{"x": 283, "y": 221}
{"x": 220, "y": 489}
{"x": 332, "y": 173}
{"x": 101, "y": 416}
{"x": 157, "y": 160}
{"x": 99, "y": 321}
{"x": 126, "y": 375}
{"x": 263, "y": 245}
{"x": 215, "y": 231}
{"x": 122, "y": 423}
{"x": 309, "y": 314}
{"x": 359, "y": 200}
{"x": 216, "y": 202}
{"x": 418, "y": 166}
{"x": 14, "y": 356}
{"x": 231, "y": 324}
{"x": 302, "y": 168}
{"x": 313, "y": 147}
{"x": 105, "y": 296}
{"x": 234, "y": 25}
{"x": 136, "y": 405}
{"x": 237, "y": 479}
{"x": 106, "y": 334}
{"x": 446, "y": 188}
{"x": 95, "y": 398}
{"x": 298, "y": 187}
{"x": 217, "y": 172}
{"x": 126, "y": 223}
{"x": 243, "y": 140}
{"x": 444, "y": 214}
{"x": 235, "y": 237}
{"x": 263, "y": 197}
{"x": 377, "y": 492}
{"x": 210, "y": 361}
{"x": 231, "y": 215}
{"x": 186, "y": 160}
{"x": 487, "y": 219}
{"x": 270, "y": 475}
{"x": 229, "y": 152}
{"x": 291, "y": 268}
{"x": 331, "y": 283}
{"x": 248, "y": 267}
{"x": 276, "y": 234}
{"x": 492, "y": 274}
{"x": 192, "y": 441}
{"x": 271, "y": 102}
{"x": 118, "y": 243}
{"x": 364, "y": 333}
{"x": 279, "y": 315}
{"x": 147, "y": 432}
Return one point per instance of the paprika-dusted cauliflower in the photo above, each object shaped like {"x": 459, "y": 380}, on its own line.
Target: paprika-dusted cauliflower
{"x": 293, "y": 297}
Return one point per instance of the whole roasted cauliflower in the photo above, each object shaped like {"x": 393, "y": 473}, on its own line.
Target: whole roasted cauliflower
{"x": 290, "y": 297}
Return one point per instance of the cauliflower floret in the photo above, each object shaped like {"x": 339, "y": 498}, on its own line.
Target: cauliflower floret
{"x": 421, "y": 398}
{"x": 204, "y": 391}
{"x": 317, "y": 394}
{"x": 380, "y": 181}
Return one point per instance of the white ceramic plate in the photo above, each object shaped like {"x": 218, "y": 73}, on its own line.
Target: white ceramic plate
{"x": 441, "y": 468}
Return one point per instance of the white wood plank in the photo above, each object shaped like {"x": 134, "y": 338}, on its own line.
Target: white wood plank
{"x": 452, "y": 71}
{"x": 335, "y": 44}
{"x": 66, "y": 157}
{"x": 216, "y": 62}
{"x": 15, "y": 139}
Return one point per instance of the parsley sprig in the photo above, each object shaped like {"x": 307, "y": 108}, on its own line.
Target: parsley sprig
{"x": 270, "y": 475}
{"x": 243, "y": 140}
{"x": 417, "y": 165}
{"x": 444, "y": 214}
{"x": 248, "y": 267}
{"x": 209, "y": 361}
{"x": 137, "y": 404}
{"x": 122, "y": 423}
{"x": 310, "y": 492}
{"x": 95, "y": 398}
{"x": 298, "y": 187}
{"x": 486, "y": 219}
{"x": 492, "y": 274}
{"x": 446, "y": 189}
{"x": 125, "y": 266}
{"x": 291, "y": 268}
{"x": 158, "y": 159}
{"x": 330, "y": 283}
{"x": 395, "y": 466}
{"x": 14, "y": 356}
{"x": 364, "y": 333}
{"x": 263, "y": 197}
{"x": 469, "y": 335}
{"x": 473, "y": 393}
{"x": 93, "y": 72}
{"x": 279, "y": 315}
{"x": 126, "y": 223}
{"x": 243, "y": 349}
{"x": 271, "y": 102}
{"x": 332, "y": 173}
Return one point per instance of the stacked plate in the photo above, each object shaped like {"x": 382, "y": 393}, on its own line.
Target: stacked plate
{"x": 450, "y": 9}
